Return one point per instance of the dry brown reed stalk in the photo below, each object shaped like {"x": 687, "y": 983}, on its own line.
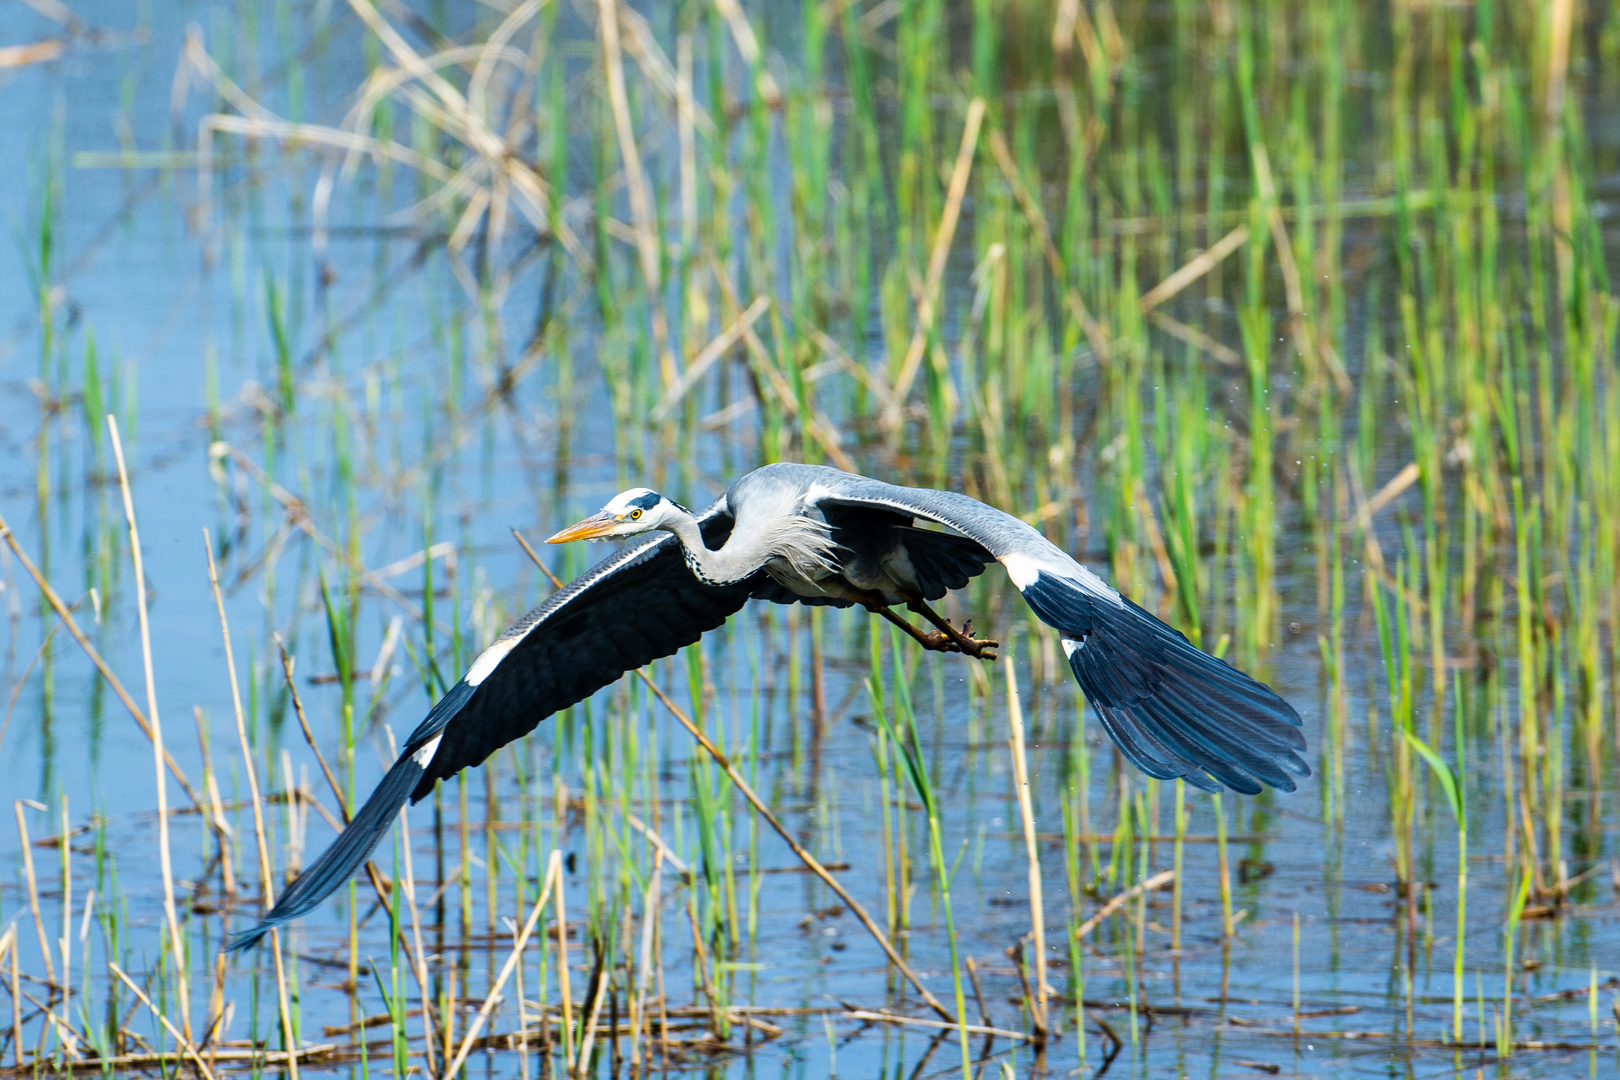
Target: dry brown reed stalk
{"x": 64, "y": 1032}
{"x": 1315, "y": 347}
{"x": 252, "y": 1057}
{"x": 309, "y": 736}
{"x": 454, "y": 115}
{"x": 565, "y": 980}
{"x": 871, "y": 378}
{"x": 649, "y": 923}
{"x": 822, "y": 429}
{"x": 1157, "y": 881}
{"x": 660, "y": 845}
{"x": 184, "y": 1040}
{"x": 978, "y": 991}
{"x": 641, "y": 42}
{"x": 1193, "y": 269}
{"x": 182, "y": 963}
{"x": 1217, "y": 350}
{"x": 266, "y": 874}
{"x": 553, "y": 880}
{"x": 1561, "y": 18}
{"x": 700, "y": 964}
{"x": 711, "y": 352}
{"x": 748, "y": 46}
{"x": 602, "y": 980}
{"x": 493, "y": 177}
{"x": 1095, "y": 336}
{"x": 1387, "y": 494}
{"x": 636, "y": 182}
{"x": 36, "y": 52}
{"x": 936, "y": 265}
{"x": 65, "y": 613}
{"x": 8, "y": 950}
{"x": 33, "y": 885}
{"x": 1026, "y": 813}
{"x": 1161, "y": 554}
{"x": 65, "y": 942}
{"x": 686, "y": 138}
{"x": 414, "y": 953}
{"x": 227, "y": 871}
{"x": 218, "y": 1009}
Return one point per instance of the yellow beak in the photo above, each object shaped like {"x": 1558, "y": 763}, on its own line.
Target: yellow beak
{"x": 592, "y": 527}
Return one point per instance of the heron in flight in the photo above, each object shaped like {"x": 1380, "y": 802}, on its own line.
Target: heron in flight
{"x": 815, "y": 535}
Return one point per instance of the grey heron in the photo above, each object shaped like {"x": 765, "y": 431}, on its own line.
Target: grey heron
{"x": 810, "y": 534}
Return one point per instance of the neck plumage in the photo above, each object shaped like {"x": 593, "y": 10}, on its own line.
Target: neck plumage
{"x": 732, "y": 563}
{"x": 797, "y": 542}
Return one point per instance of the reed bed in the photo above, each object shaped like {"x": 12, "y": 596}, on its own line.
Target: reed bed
{"x": 1293, "y": 319}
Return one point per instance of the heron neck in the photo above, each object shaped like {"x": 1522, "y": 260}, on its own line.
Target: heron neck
{"x": 732, "y": 563}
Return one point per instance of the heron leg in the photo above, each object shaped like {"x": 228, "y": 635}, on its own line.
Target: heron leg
{"x": 936, "y": 641}
{"x": 963, "y": 639}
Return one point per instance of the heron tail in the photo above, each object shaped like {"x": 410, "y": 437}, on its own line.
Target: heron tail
{"x": 347, "y": 854}
{"x": 1173, "y": 709}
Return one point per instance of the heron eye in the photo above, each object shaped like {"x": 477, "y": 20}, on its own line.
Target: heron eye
{"x": 635, "y": 515}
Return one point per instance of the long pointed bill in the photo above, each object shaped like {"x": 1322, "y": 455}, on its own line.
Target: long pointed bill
{"x": 592, "y": 527}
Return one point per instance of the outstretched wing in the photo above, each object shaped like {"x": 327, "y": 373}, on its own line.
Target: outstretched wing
{"x": 1172, "y": 709}
{"x": 638, "y": 604}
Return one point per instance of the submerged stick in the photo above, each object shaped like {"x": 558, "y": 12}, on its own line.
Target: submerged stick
{"x": 913, "y": 1021}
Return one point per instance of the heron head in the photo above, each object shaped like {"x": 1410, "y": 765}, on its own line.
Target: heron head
{"x": 628, "y": 513}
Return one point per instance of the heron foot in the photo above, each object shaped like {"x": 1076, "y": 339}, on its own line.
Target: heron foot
{"x": 958, "y": 641}
{"x": 962, "y": 640}
{"x": 946, "y": 638}
{"x": 983, "y": 648}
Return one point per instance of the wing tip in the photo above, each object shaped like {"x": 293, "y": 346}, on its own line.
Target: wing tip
{"x": 1174, "y": 709}
{"x": 346, "y": 855}
{"x": 246, "y": 939}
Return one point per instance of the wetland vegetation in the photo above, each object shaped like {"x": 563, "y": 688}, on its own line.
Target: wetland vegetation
{"x": 1294, "y": 320}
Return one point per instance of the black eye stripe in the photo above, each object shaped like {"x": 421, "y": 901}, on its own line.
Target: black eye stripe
{"x": 647, "y": 501}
